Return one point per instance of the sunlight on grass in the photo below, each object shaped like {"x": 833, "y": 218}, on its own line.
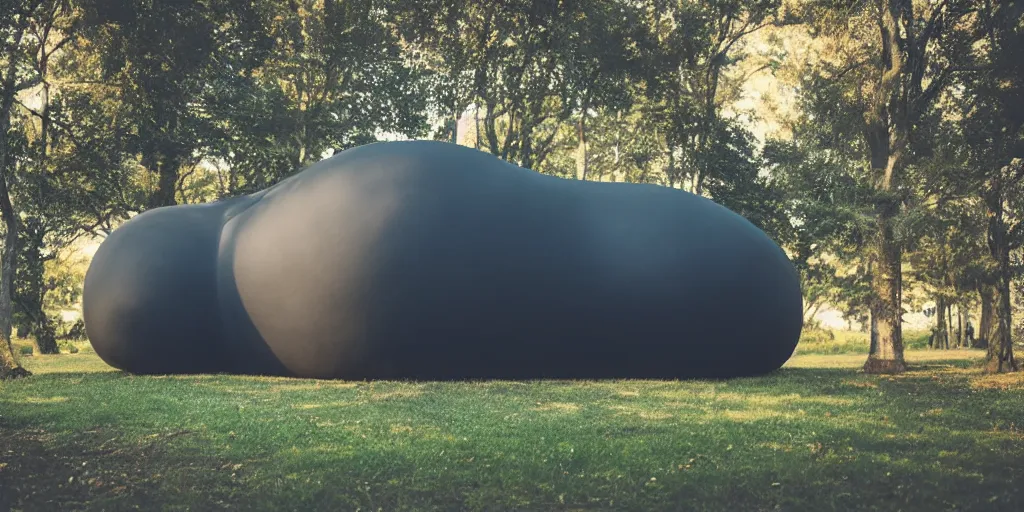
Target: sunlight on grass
{"x": 1000, "y": 381}
{"x": 322, "y": 405}
{"x": 319, "y": 385}
{"x": 66, "y": 363}
{"x": 44, "y": 400}
{"x": 746, "y": 415}
{"x": 857, "y": 360}
{"x": 653, "y": 414}
{"x": 942, "y": 436}
{"x": 561, "y": 407}
{"x": 861, "y": 384}
{"x": 395, "y": 394}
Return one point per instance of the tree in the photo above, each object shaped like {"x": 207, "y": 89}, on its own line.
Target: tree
{"x": 529, "y": 69}
{"x": 70, "y": 174}
{"x": 602, "y": 52}
{"x": 26, "y": 32}
{"x": 887, "y": 68}
{"x": 334, "y": 77}
{"x": 161, "y": 56}
{"x": 697, "y": 43}
{"x": 985, "y": 163}
{"x": 994, "y": 129}
{"x": 826, "y": 199}
{"x": 946, "y": 251}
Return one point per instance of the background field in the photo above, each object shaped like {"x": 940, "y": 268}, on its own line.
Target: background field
{"x": 817, "y": 435}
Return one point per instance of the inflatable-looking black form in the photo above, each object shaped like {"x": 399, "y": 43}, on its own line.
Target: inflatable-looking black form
{"x": 427, "y": 260}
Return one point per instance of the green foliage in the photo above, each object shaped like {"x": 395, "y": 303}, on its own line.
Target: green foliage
{"x": 529, "y": 68}
{"x": 334, "y": 76}
{"x": 161, "y": 58}
{"x": 75, "y": 332}
{"x": 67, "y": 347}
{"x": 828, "y": 209}
{"x": 816, "y": 340}
{"x": 916, "y": 340}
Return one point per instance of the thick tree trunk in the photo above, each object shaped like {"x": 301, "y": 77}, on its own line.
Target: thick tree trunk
{"x": 1000, "y": 356}
{"x": 9, "y": 367}
{"x": 7, "y": 269}
{"x": 1000, "y": 349}
{"x": 886, "y": 132}
{"x": 167, "y": 168}
{"x": 886, "y": 355}
{"x": 987, "y": 324}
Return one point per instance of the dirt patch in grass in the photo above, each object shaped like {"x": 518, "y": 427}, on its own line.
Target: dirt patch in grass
{"x": 44, "y": 471}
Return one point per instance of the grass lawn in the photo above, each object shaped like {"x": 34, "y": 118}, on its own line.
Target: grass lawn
{"x": 815, "y": 436}
{"x": 817, "y": 341}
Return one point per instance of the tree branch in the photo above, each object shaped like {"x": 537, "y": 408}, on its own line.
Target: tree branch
{"x": 68, "y": 129}
{"x": 929, "y": 28}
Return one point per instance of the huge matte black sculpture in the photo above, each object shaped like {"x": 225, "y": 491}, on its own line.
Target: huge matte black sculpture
{"x": 425, "y": 260}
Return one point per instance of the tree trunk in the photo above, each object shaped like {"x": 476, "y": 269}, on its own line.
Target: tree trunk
{"x": 455, "y": 132}
{"x": 581, "y": 150}
{"x": 9, "y": 367}
{"x": 941, "y": 327}
{"x": 959, "y": 326}
{"x": 886, "y": 132}
{"x": 7, "y": 269}
{"x": 30, "y": 287}
{"x": 167, "y": 181}
{"x": 965, "y": 317}
{"x": 1000, "y": 356}
{"x": 43, "y": 332}
{"x": 873, "y": 336}
{"x": 813, "y": 312}
{"x": 476, "y": 123}
{"x": 40, "y": 328}
{"x": 1000, "y": 349}
{"x": 949, "y": 318}
{"x": 987, "y": 324}
{"x": 886, "y": 355}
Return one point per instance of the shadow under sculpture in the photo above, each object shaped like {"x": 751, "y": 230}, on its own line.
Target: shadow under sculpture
{"x": 427, "y": 260}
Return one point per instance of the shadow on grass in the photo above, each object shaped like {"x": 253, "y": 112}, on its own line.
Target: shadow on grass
{"x": 101, "y": 469}
{"x": 936, "y": 438}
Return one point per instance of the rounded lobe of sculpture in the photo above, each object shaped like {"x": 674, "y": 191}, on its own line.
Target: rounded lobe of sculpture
{"x": 149, "y": 301}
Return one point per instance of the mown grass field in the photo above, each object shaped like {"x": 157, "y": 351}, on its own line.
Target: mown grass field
{"x": 815, "y": 436}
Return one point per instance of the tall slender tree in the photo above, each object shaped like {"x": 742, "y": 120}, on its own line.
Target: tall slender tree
{"x": 29, "y": 30}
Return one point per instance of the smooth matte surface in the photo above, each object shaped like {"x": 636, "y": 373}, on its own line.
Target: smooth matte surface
{"x": 427, "y": 260}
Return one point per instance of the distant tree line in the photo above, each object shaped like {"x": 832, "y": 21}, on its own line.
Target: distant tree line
{"x": 903, "y": 153}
